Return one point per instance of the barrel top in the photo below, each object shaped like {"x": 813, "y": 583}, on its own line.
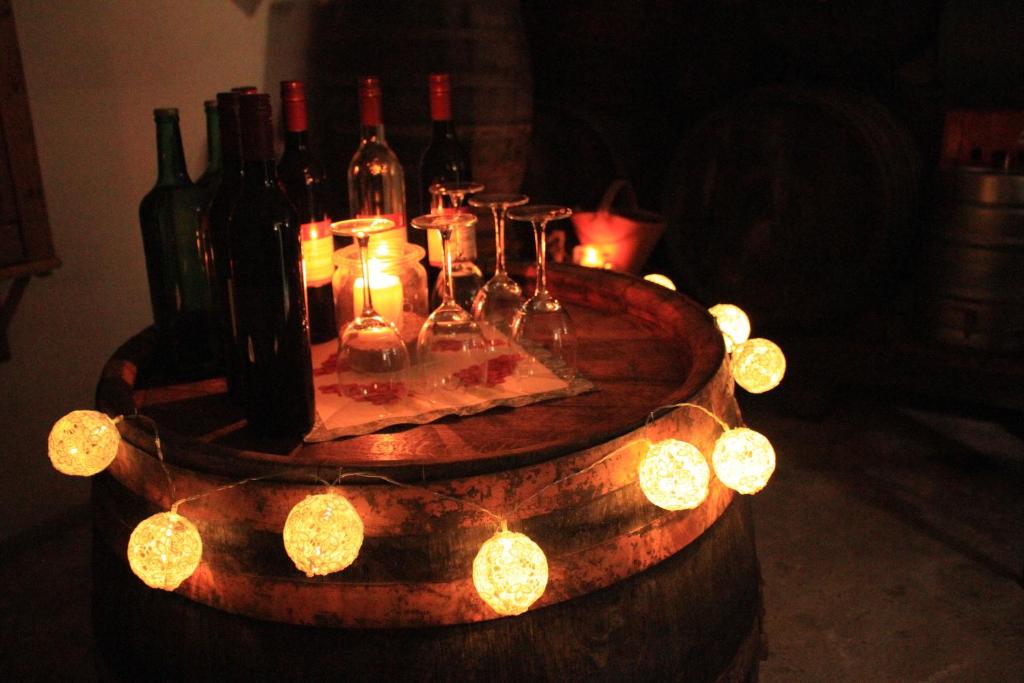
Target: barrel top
{"x": 642, "y": 346}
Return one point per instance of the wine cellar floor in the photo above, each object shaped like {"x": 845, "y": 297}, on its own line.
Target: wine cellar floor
{"x": 890, "y": 541}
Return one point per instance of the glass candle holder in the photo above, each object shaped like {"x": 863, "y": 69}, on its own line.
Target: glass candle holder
{"x": 398, "y": 281}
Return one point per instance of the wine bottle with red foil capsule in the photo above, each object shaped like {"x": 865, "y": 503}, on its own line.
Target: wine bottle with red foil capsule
{"x": 210, "y": 179}
{"x": 376, "y": 183}
{"x": 302, "y": 179}
{"x": 445, "y": 162}
{"x": 217, "y": 217}
{"x": 444, "y": 159}
{"x": 267, "y": 289}
{"x": 175, "y": 246}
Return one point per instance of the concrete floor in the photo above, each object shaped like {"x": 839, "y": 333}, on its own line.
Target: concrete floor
{"x": 890, "y": 541}
{"x": 891, "y": 545}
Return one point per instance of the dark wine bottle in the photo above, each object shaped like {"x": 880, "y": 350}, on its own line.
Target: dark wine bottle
{"x": 302, "y": 179}
{"x": 267, "y": 297}
{"x": 176, "y": 248}
{"x": 210, "y": 179}
{"x": 217, "y": 218}
{"x": 444, "y": 159}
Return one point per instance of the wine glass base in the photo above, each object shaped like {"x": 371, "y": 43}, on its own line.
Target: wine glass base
{"x": 542, "y": 323}
{"x": 371, "y": 345}
{"x": 497, "y": 302}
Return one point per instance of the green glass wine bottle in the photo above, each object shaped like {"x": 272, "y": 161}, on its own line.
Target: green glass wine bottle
{"x": 176, "y": 251}
{"x": 210, "y": 180}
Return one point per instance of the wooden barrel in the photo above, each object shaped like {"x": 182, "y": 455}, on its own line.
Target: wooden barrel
{"x": 972, "y": 276}
{"x": 794, "y": 203}
{"x": 482, "y": 45}
{"x": 634, "y": 590}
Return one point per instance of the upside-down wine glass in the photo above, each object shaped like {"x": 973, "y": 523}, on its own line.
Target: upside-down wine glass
{"x": 450, "y": 329}
{"x": 542, "y": 320}
{"x": 498, "y": 300}
{"x": 466, "y": 276}
{"x": 370, "y": 343}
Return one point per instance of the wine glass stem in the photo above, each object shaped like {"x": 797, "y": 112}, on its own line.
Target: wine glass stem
{"x": 499, "y": 239}
{"x": 446, "y": 257}
{"x": 457, "y": 198}
{"x": 363, "y": 240}
{"x": 542, "y": 250}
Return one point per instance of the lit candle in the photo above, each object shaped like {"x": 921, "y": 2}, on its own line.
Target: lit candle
{"x": 386, "y": 290}
{"x": 590, "y": 256}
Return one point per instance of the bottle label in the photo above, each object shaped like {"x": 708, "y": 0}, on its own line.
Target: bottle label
{"x": 463, "y": 242}
{"x": 318, "y": 253}
{"x": 389, "y": 239}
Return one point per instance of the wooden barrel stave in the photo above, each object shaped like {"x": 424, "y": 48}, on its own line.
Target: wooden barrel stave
{"x": 695, "y": 616}
{"x": 632, "y": 535}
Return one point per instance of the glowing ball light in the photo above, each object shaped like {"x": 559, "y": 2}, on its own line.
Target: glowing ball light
{"x": 510, "y": 572}
{"x": 164, "y": 550}
{"x": 743, "y": 459}
{"x": 323, "y": 534}
{"x": 674, "y": 475}
{"x": 83, "y": 443}
{"x": 659, "y": 279}
{"x": 758, "y": 365}
{"x": 733, "y": 323}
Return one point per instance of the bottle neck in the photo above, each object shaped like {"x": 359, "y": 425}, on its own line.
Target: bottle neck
{"x": 440, "y": 97}
{"x": 231, "y": 172}
{"x": 171, "y": 168}
{"x": 371, "y": 116}
{"x": 372, "y": 133}
{"x": 296, "y": 142}
{"x": 443, "y": 130}
{"x": 214, "y": 160}
{"x": 295, "y": 119}
{"x": 257, "y": 138}
{"x": 260, "y": 173}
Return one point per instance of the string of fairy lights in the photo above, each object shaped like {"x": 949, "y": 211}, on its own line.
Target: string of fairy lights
{"x": 323, "y": 533}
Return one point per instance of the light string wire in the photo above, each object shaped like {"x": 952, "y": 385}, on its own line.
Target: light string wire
{"x": 653, "y": 414}
{"x": 445, "y": 496}
{"x": 225, "y": 487}
{"x": 502, "y": 520}
{"x": 157, "y": 444}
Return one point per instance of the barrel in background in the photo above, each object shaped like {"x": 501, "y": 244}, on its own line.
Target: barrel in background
{"x": 971, "y": 290}
{"x": 796, "y": 203}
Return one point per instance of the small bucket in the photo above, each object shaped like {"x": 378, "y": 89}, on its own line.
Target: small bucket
{"x": 625, "y": 235}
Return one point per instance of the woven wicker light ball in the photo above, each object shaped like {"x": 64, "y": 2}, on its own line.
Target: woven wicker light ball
{"x": 323, "y": 534}
{"x": 510, "y": 572}
{"x": 164, "y": 550}
{"x": 83, "y": 443}
{"x": 674, "y": 475}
